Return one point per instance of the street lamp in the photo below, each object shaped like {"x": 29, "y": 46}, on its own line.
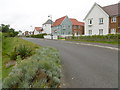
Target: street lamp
{"x": 51, "y": 26}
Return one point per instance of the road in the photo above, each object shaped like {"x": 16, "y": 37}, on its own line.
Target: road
{"x": 85, "y": 66}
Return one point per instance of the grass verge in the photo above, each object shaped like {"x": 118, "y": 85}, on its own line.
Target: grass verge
{"x": 106, "y": 42}
{"x": 0, "y": 60}
{"x": 41, "y": 70}
{"x": 8, "y": 45}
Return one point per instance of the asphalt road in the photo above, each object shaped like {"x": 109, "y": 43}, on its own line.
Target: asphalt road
{"x": 85, "y": 66}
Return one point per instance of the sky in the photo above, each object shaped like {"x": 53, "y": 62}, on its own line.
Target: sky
{"x": 22, "y": 14}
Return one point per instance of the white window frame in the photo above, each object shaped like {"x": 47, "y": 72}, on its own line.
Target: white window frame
{"x": 89, "y": 32}
{"x": 113, "y": 19}
{"x": 100, "y": 31}
{"x": 113, "y": 31}
{"x": 101, "y": 20}
{"x": 90, "y": 21}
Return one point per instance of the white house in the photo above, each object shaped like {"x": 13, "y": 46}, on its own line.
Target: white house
{"x": 99, "y": 21}
{"x": 37, "y": 30}
{"x": 19, "y": 33}
{"x": 47, "y": 26}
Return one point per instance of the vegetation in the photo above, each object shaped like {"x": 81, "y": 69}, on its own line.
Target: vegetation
{"x": 8, "y": 32}
{"x": 0, "y": 60}
{"x": 27, "y": 65}
{"x": 110, "y": 38}
{"x": 42, "y": 70}
{"x": 37, "y": 36}
{"x": 8, "y": 49}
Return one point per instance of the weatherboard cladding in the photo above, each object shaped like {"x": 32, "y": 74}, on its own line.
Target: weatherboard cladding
{"x": 62, "y": 26}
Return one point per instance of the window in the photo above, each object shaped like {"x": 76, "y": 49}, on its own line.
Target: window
{"x": 63, "y": 26}
{"x": 113, "y": 19}
{"x": 78, "y": 27}
{"x": 90, "y": 21}
{"x": 68, "y": 32}
{"x": 75, "y": 27}
{"x": 100, "y": 20}
{"x": 100, "y": 31}
{"x": 68, "y": 26}
{"x": 90, "y": 32}
{"x": 113, "y": 31}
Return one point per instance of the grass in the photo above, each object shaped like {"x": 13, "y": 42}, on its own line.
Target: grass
{"x": 0, "y": 60}
{"x": 8, "y": 46}
{"x": 106, "y": 42}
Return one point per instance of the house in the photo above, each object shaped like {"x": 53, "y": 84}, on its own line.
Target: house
{"x": 37, "y": 30}
{"x": 77, "y": 27}
{"x": 19, "y": 33}
{"x": 47, "y": 26}
{"x": 31, "y": 33}
{"x": 102, "y": 20}
{"x": 62, "y": 27}
{"x": 26, "y": 33}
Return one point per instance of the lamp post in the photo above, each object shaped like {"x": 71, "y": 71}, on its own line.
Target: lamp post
{"x": 51, "y": 26}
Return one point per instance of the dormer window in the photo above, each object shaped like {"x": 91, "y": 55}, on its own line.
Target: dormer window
{"x": 113, "y": 19}
{"x": 90, "y": 21}
{"x": 100, "y": 20}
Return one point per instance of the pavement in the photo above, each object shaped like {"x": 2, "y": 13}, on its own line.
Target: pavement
{"x": 85, "y": 65}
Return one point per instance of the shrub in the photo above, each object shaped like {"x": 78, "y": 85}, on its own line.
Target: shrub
{"x": 24, "y": 51}
{"x": 107, "y": 38}
{"x": 38, "y": 35}
{"x": 42, "y": 70}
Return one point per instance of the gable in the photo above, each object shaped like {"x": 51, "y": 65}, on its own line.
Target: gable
{"x": 66, "y": 21}
{"x": 100, "y": 10}
{"x": 58, "y": 21}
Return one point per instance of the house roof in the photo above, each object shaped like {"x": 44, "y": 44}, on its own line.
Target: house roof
{"x": 76, "y": 22}
{"x": 111, "y": 10}
{"x": 38, "y": 28}
{"x": 49, "y": 21}
{"x": 58, "y": 21}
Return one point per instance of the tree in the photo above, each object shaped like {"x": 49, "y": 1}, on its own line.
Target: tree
{"x": 5, "y": 28}
{"x": 9, "y": 32}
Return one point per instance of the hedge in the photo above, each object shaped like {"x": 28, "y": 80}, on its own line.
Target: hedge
{"x": 37, "y": 36}
{"x": 109, "y": 37}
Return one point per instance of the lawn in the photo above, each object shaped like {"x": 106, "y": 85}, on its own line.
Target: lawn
{"x": 8, "y": 46}
{"x": 106, "y": 42}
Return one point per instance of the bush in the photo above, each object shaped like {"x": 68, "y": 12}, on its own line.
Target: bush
{"x": 24, "y": 51}
{"x": 43, "y": 70}
{"x": 37, "y": 36}
{"x": 107, "y": 38}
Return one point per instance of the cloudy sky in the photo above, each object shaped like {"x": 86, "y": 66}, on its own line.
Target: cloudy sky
{"x": 21, "y": 14}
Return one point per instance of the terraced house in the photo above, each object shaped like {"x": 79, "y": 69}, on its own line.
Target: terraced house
{"x": 77, "y": 27}
{"x": 65, "y": 26}
{"x": 62, "y": 27}
{"x": 103, "y": 20}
